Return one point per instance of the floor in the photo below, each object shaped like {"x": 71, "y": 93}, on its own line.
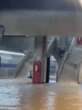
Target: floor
{"x": 18, "y": 95}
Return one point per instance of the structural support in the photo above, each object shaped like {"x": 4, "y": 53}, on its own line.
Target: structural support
{"x": 44, "y": 58}
{"x": 48, "y": 70}
{"x": 40, "y": 49}
{"x": 79, "y": 74}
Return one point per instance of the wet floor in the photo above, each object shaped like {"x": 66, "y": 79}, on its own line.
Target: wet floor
{"x": 22, "y": 96}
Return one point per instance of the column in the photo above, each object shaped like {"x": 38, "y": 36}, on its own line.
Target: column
{"x": 40, "y": 51}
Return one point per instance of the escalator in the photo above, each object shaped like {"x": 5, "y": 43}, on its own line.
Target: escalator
{"x": 70, "y": 65}
{"x": 25, "y": 67}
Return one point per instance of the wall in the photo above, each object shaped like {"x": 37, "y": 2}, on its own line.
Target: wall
{"x": 17, "y": 43}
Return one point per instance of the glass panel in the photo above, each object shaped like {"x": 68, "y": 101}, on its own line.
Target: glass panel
{"x": 13, "y": 50}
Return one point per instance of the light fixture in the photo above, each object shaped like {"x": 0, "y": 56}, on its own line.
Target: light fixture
{"x": 80, "y": 1}
{"x": 11, "y": 53}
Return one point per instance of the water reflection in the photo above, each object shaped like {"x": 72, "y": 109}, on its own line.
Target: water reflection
{"x": 20, "y": 96}
{"x": 9, "y": 98}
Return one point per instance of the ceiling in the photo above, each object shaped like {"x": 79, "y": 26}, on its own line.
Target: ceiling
{"x": 42, "y": 17}
{"x": 49, "y": 23}
{"x": 57, "y": 5}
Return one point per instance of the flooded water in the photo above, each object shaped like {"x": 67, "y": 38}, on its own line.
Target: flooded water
{"x": 22, "y": 96}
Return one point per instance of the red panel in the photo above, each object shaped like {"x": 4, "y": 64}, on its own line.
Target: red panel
{"x": 36, "y": 72}
{"x": 79, "y": 41}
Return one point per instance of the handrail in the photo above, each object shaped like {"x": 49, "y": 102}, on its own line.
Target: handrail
{"x": 64, "y": 60}
{"x": 23, "y": 61}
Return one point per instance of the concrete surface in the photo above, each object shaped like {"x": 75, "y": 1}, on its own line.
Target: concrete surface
{"x": 26, "y": 22}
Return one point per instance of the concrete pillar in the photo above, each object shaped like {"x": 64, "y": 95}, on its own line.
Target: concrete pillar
{"x": 40, "y": 49}
{"x": 79, "y": 73}
{"x": 44, "y": 58}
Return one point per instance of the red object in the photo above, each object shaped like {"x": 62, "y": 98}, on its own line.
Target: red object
{"x": 79, "y": 41}
{"x": 36, "y": 72}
